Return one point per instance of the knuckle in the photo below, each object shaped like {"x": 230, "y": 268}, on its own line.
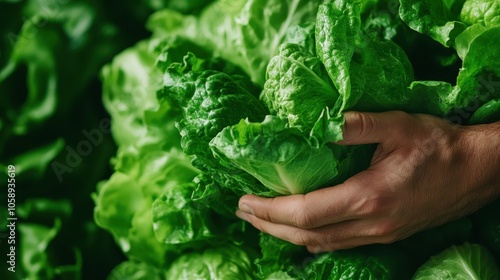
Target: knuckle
{"x": 268, "y": 214}
{"x": 385, "y": 232}
{"x": 365, "y": 122}
{"x": 301, "y": 238}
{"x": 309, "y": 239}
{"x": 303, "y": 219}
{"x": 301, "y": 215}
{"x": 379, "y": 204}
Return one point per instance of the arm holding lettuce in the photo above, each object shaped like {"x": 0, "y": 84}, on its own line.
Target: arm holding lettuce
{"x": 424, "y": 173}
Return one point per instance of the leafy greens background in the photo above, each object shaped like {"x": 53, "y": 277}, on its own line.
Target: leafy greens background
{"x": 148, "y": 202}
{"x": 51, "y": 53}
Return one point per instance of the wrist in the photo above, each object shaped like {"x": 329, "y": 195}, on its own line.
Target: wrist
{"x": 480, "y": 147}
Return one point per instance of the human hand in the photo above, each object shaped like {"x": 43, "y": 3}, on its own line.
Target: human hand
{"x": 424, "y": 173}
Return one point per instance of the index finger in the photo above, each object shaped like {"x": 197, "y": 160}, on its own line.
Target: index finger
{"x": 371, "y": 128}
{"x": 343, "y": 202}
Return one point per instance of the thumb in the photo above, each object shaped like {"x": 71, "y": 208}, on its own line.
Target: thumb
{"x": 367, "y": 128}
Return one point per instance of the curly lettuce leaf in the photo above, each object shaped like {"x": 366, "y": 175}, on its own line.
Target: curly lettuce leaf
{"x": 337, "y": 29}
{"x": 211, "y": 100}
{"x": 297, "y": 88}
{"x": 225, "y": 262}
{"x": 129, "y": 85}
{"x": 124, "y": 202}
{"x": 438, "y": 19}
{"x": 368, "y": 262}
{"x": 278, "y": 258}
{"x": 437, "y": 97}
{"x": 133, "y": 270}
{"x": 380, "y": 74}
{"x": 177, "y": 219}
{"x": 462, "y": 42}
{"x": 352, "y": 58}
{"x": 36, "y": 239}
{"x": 302, "y": 34}
{"x": 246, "y": 33}
{"x": 485, "y": 12}
{"x": 478, "y": 79}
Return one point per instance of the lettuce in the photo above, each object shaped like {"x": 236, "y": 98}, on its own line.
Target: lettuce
{"x": 246, "y": 33}
{"x": 247, "y": 97}
{"x": 227, "y": 262}
{"x": 50, "y": 56}
{"x": 291, "y": 164}
{"x": 297, "y": 88}
{"x": 485, "y": 12}
{"x": 467, "y": 261}
{"x": 215, "y": 99}
{"x": 438, "y": 19}
{"x": 369, "y": 262}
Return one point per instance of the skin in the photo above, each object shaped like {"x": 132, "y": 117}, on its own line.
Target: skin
{"x": 425, "y": 172}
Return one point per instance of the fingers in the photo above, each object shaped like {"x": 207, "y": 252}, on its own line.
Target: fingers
{"x": 337, "y": 236}
{"x": 371, "y": 128}
{"x": 312, "y": 210}
{"x": 357, "y": 197}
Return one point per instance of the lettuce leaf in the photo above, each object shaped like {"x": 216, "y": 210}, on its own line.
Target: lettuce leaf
{"x": 467, "y": 261}
{"x": 485, "y": 12}
{"x": 368, "y": 262}
{"x": 225, "y": 262}
{"x": 337, "y": 29}
{"x": 245, "y": 33}
{"x": 297, "y": 88}
{"x": 291, "y": 164}
{"x": 437, "y": 18}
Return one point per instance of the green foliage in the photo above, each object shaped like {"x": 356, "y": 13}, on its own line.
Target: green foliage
{"x": 223, "y": 98}
{"x": 291, "y": 163}
{"x": 297, "y": 87}
{"x": 369, "y": 262}
{"x": 227, "y": 262}
{"x": 467, "y": 261}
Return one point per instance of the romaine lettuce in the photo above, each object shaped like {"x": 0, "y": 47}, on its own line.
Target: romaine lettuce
{"x": 246, "y": 97}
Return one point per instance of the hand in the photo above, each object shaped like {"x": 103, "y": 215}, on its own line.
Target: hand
{"x": 424, "y": 173}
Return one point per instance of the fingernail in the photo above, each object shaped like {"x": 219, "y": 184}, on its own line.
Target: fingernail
{"x": 245, "y": 208}
{"x": 242, "y": 215}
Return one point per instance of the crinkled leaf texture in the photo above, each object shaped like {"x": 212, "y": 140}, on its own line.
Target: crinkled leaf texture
{"x": 211, "y": 100}
{"x": 133, "y": 270}
{"x": 224, "y": 262}
{"x": 437, "y": 18}
{"x": 337, "y": 29}
{"x": 246, "y": 33}
{"x": 278, "y": 258}
{"x": 124, "y": 202}
{"x": 372, "y": 262}
{"x": 178, "y": 220}
{"x": 485, "y": 12}
{"x": 479, "y": 77}
{"x": 297, "y": 88}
